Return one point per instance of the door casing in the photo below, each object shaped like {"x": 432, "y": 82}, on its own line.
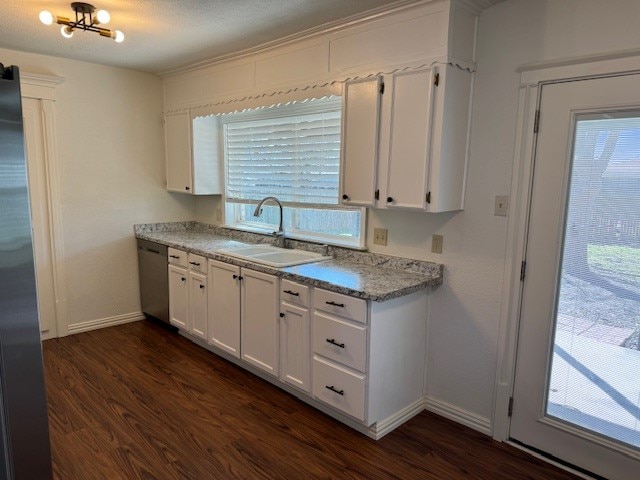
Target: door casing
{"x": 531, "y": 80}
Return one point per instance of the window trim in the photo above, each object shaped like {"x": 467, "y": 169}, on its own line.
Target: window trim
{"x": 293, "y": 108}
{"x": 294, "y": 234}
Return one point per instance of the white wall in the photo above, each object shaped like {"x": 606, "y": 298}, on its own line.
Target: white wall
{"x": 465, "y": 310}
{"x": 111, "y": 175}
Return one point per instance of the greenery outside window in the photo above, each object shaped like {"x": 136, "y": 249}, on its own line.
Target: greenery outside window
{"x": 291, "y": 152}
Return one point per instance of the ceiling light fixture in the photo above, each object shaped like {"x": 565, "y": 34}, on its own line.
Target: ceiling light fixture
{"x": 87, "y": 19}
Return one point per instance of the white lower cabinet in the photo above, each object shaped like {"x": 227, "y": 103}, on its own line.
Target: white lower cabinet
{"x": 340, "y": 341}
{"x": 294, "y": 335}
{"x": 224, "y": 311}
{"x": 369, "y": 357}
{"x": 259, "y": 320}
{"x": 364, "y": 359}
{"x": 178, "y": 297}
{"x": 243, "y": 314}
{"x": 188, "y": 292}
{"x": 198, "y": 304}
{"x": 339, "y": 387}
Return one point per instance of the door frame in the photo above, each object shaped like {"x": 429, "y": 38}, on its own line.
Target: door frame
{"x": 43, "y": 88}
{"x": 532, "y": 77}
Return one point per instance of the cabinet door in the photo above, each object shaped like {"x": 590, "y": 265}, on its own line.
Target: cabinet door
{"x": 360, "y": 128}
{"x": 178, "y": 297}
{"x": 207, "y": 156}
{"x": 198, "y": 304}
{"x": 177, "y": 137}
{"x": 409, "y": 137}
{"x": 224, "y": 307}
{"x": 259, "y": 320}
{"x": 294, "y": 345}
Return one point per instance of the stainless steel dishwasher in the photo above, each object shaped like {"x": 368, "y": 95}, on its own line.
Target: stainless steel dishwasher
{"x": 154, "y": 280}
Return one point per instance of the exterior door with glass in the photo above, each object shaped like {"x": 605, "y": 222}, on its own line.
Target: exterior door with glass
{"x": 577, "y": 386}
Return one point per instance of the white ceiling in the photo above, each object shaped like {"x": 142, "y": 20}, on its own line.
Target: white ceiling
{"x": 162, "y": 35}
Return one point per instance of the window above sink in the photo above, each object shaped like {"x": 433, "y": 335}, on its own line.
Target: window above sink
{"x": 292, "y": 152}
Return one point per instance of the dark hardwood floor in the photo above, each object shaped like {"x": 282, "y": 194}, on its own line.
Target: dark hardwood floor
{"x": 140, "y": 402}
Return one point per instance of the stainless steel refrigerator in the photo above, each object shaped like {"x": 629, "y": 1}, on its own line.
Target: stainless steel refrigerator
{"x": 24, "y": 436}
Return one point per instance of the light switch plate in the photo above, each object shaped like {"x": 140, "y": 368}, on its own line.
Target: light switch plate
{"x": 501, "y": 208}
{"x": 436, "y": 243}
{"x": 380, "y": 236}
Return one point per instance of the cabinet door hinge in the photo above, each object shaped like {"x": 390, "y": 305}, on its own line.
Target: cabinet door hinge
{"x": 381, "y": 88}
{"x": 510, "y": 410}
{"x": 377, "y": 195}
{"x": 536, "y": 122}
{"x": 523, "y": 269}
{"x": 436, "y": 79}
{"x": 428, "y": 197}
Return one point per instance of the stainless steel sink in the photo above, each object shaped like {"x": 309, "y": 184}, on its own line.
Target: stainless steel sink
{"x": 273, "y": 256}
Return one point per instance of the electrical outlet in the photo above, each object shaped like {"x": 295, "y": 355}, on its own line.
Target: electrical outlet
{"x": 436, "y": 243}
{"x": 380, "y": 236}
{"x": 501, "y": 208}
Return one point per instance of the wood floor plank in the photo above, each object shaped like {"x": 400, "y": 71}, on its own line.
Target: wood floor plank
{"x": 138, "y": 401}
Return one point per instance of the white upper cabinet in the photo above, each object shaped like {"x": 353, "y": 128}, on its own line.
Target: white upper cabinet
{"x": 423, "y": 141}
{"x": 360, "y": 130}
{"x": 408, "y": 143}
{"x": 177, "y": 137}
{"x": 192, "y": 154}
{"x": 409, "y": 132}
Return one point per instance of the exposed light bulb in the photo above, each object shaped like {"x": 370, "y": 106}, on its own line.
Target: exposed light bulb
{"x": 46, "y": 17}
{"x": 118, "y": 36}
{"x": 102, "y": 16}
{"x": 66, "y": 31}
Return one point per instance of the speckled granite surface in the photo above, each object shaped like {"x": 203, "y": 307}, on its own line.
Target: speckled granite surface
{"x": 359, "y": 274}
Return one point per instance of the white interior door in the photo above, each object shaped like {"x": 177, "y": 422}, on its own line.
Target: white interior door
{"x": 40, "y": 215}
{"x": 577, "y": 385}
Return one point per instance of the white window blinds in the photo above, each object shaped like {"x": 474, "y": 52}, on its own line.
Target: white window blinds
{"x": 291, "y": 152}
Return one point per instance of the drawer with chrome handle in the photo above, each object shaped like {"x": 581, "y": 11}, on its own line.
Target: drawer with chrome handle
{"x": 340, "y": 341}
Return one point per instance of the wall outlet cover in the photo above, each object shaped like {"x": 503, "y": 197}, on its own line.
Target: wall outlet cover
{"x": 501, "y": 208}
{"x": 380, "y": 236}
{"x": 436, "y": 243}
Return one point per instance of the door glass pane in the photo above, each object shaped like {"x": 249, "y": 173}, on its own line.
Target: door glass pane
{"x": 595, "y": 372}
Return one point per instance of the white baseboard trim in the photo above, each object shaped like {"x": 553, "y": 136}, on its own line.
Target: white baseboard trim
{"x": 471, "y": 420}
{"x": 105, "y": 322}
{"x": 381, "y": 428}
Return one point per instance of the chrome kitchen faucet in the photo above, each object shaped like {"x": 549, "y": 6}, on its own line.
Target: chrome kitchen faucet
{"x": 280, "y": 233}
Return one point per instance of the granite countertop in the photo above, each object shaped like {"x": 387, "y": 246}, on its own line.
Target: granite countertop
{"x": 359, "y": 274}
